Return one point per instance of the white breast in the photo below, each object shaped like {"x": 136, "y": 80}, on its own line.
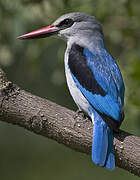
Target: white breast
{"x": 78, "y": 97}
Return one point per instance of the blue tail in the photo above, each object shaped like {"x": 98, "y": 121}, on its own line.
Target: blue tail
{"x": 102, "y": 147}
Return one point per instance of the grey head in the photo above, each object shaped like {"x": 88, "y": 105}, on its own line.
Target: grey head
{"x": 78, "y": 25}
{"x": 73, "y": 27}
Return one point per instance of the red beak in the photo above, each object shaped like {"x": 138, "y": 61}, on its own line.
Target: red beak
{"x": 40, "y": 33}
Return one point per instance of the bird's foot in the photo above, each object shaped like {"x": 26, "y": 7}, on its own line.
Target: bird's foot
{"x": 79, "y": 113}
{"x": 78, "y": 121}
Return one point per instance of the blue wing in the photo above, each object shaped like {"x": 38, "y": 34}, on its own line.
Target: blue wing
{"x": 99, "y": 72}
{"x": 98, "y": 77}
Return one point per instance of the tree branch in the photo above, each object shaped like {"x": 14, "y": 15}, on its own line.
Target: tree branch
{"x": 58, "y": 123}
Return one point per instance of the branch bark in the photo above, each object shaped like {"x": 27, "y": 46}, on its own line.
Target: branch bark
{"x": 58, "y": 123}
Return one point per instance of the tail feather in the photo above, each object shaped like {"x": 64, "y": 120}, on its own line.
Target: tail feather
{"x": 100, "y": 144}
{"x": 110, "y": 161}
{"x": 102, "y": 147}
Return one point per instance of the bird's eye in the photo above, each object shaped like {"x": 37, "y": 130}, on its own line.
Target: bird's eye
{"x": 66, "y": 23}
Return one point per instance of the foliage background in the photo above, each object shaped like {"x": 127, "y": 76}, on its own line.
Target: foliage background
{"x": 37, "y": 66}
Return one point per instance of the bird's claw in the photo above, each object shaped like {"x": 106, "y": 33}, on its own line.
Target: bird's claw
{"x": 79, "y": 113}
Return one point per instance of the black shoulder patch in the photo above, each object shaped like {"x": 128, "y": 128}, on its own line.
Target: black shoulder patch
{"x": 78, "y": 66}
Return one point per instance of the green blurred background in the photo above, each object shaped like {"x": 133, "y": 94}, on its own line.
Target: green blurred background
{"x": 37, "y": 66}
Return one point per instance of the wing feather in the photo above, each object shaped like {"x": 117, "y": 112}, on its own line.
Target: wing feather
{"x": 99, "y": 79}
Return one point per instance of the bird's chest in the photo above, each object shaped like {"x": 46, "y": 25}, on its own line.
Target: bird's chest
{"x": 75, "y": 92}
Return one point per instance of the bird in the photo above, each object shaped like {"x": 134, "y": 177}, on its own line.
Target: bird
{"x": 93, "y": 78}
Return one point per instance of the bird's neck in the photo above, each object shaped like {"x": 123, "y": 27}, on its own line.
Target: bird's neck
{"x": 90, "y": 42}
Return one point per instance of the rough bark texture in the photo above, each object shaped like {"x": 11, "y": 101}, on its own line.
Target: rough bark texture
{"x": 56, "y": 122}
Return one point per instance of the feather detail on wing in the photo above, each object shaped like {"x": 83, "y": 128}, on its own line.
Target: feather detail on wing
{"x": 99, "y": 79}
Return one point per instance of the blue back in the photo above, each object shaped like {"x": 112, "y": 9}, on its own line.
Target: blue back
{"x": 108, "y": 75}
{"x": 98, "y": 77}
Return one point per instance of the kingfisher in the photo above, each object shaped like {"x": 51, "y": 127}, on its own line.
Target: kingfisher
{"x": 93, "y": 78}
